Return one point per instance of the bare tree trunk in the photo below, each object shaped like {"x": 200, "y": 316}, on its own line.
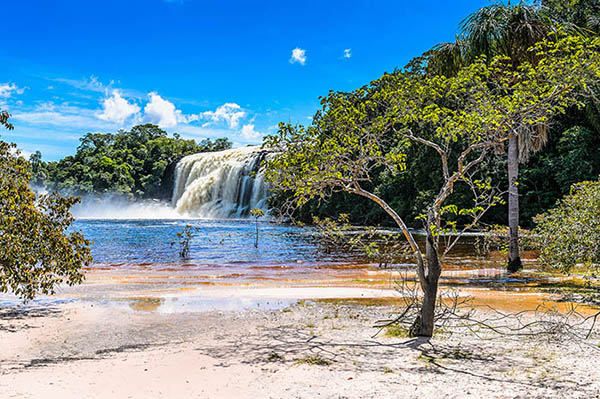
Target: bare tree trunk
{"x": 428, "y": 269}
{"x": 434, "y": 270}
{"x": 514, "y": 260}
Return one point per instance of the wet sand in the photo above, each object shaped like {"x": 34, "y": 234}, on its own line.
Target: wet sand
{"x": 168, "y": 335}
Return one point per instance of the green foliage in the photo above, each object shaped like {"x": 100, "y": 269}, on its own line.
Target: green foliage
{"x": 370, "y": 130}
{"x": 584, "y": 14}
{"x": 498, "y": 29}
{"x": 569, "y": 233}
{"x": 397, "y": 331}
{"x": 313, "y": 361}
{"x": 38, "y": 248}
{"x": 4, "y": 115}
{"x": 139, "y": 163}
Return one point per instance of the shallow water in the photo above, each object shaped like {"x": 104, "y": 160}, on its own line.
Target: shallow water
{"x": 214, "y": 242}
{"x": 143, "y": 255}
{"x": 136, "y": 267}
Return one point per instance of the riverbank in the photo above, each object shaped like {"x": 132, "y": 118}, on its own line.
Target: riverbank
{"x": 265, "y": 341}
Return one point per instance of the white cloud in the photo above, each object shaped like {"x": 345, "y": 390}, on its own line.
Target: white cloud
{"x": 63, "y": 116}
{"x": 249, "y": 133}
{"x": 298, "y": 56}
{"x": 231, "y": 113}
{"x": 91, "y": 84}
{"x": 347, "y": 53}
{"x": 7, "y": 89}
{"x": 20, "y": 152}
{"x": 161, "y": 111}
{"x": 117, "y": 109}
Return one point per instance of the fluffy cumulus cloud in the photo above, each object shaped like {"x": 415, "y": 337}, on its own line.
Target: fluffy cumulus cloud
{"x": 230, "y": 113}
{"x": 121, "y": 108}
{"x": 249, "y": 133}
{"x": 298, "y": 56}
{"x": 347, "y": 53}
{"x": 165, "y": 114}
{"x": 117, "y": 109}
{"x": 8, "y": 89}
{"x": 162, "y": 112}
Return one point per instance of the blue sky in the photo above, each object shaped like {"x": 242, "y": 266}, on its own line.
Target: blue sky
{"x": 202, "y": 69}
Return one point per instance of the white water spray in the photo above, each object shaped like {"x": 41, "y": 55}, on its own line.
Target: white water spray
{"x": 220, "y": 184}
{"x": 114, "y": 206}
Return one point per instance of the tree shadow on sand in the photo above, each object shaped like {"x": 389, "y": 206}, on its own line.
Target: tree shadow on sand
{"x": 291, "y": 346}
{"x": 14, "y": 318}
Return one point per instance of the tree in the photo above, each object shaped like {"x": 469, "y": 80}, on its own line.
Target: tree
{"x": 580, "y": 13}
{"x": 462, "y": 118}
{"x": 502, "y": 30}
{"x": 137, "y": 163}
{"x": 569, "y": 233}
{"x": 38, "y": 249}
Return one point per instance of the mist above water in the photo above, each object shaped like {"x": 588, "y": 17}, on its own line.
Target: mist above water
{"x": 211, "y": 185}
{"x": 112, "y": 206}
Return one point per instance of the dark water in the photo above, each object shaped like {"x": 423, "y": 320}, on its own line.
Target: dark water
{"x": 222, "y": 242}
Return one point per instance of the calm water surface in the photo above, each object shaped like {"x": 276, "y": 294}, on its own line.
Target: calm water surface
{"x": 214, "y": 242}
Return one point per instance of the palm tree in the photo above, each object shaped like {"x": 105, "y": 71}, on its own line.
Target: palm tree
{"x": 501, "y": 30}
{"x": 582, "y": 14}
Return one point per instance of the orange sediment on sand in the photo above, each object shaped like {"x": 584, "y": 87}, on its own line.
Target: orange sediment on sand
{"x": 485, "y": 286}
{"x": 524, "y": 301}
{"x": 147, "y": 304}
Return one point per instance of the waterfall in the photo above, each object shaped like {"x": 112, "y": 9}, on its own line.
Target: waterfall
{"x": 219, "y": 184}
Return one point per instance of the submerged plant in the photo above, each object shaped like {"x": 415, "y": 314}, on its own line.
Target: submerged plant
{"x": 257, "y": 214}
{"x": 381, "y": 247}
{"x": 496, "y": 239}
{"x": 184, "y": 238}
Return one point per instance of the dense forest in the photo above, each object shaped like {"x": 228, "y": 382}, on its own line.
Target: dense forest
{"x": 565, "y": 153}
{"x": 570, "y": 155}
{"x": 139, "y": 163}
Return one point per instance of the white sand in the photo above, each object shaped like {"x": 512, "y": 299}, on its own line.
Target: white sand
{"x": 90, "y": 350}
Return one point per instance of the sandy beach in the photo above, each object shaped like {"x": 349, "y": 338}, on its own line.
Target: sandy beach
{"x": 272, "y": 342}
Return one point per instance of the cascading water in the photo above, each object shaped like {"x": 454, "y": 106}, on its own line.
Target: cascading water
{"x": 220, "y": 184}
